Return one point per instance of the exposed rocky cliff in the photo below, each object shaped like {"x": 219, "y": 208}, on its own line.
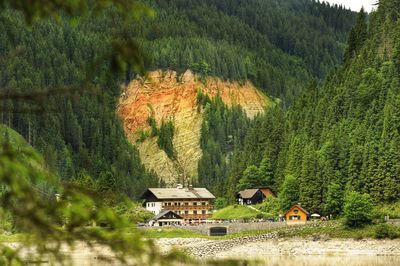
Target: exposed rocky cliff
{"x": 167, "y": 96}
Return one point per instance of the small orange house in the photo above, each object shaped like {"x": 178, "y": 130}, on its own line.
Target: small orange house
{"x": 296, "y": 215}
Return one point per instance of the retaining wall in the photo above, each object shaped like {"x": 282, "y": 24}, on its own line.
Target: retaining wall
{"x": 232, "y": 227}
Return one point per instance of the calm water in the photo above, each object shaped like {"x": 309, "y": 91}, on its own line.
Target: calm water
{"x": 333, "y": 260}
{"x": 291, "y": 261}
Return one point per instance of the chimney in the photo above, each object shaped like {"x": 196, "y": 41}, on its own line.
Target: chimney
{"x": 180, "y": 186}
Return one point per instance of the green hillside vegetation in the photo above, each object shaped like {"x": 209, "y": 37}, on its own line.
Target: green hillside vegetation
{"x": 238, "y": 212}
{"x": 342, "y": 136}
{"x": 75, "y": 126}
{"x": 279, "y": 45}
{"x": 11, "y": 137}
{"x": 70, "y": 115}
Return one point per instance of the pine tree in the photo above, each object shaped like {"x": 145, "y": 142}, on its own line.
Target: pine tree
{"x": 289, "y": 193}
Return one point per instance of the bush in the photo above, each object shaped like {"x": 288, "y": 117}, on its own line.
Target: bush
{"x": 357, "y": 209}
{"x": 220, "y": 203}
{"x": 385, "y": 231}
{"x": 270, "y": 205}
{"x": 392, "y": 210}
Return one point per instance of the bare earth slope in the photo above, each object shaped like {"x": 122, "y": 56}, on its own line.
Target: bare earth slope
{"x": 171, "y": 96}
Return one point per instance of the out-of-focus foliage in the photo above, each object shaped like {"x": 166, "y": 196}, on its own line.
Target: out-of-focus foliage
{"x": 59, "y": 85}
{"x": 28, "y": 196}
{"x": 53, "y": 212}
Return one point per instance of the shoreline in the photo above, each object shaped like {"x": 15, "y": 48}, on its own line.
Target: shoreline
{"x": 262, "y": 246}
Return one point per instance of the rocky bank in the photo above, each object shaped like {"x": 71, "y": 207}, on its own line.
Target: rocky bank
{"x": 260, "y": 246}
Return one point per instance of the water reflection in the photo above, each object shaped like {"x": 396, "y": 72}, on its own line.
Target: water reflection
{"x": 310, "y": 260}
{"x": 332, "y": 260}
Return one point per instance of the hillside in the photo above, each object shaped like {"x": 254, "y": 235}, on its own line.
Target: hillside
{"x": 165, "y": 95}
{"x": 279, "y": 45}
{"x": 343, "y": 136}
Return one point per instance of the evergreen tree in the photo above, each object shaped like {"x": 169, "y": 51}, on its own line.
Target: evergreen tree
{"x": 289, "y": 193}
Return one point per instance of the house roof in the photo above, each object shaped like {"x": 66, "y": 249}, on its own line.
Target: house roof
{"x": 264, "y": 189}
{"x": 181, "y": 193}
{"x": 299, "y": 207}
{"x": 163, "y": 213}
{"x": 248, "y": 193}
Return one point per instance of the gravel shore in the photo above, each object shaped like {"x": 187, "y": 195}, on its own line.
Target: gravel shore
{"x": 270, "y": 245}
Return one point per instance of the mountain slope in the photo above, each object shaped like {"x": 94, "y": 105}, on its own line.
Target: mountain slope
{"x": 279, "y": 45}
{"x": 165, "y": 96}
{"x": 345, "y": 135}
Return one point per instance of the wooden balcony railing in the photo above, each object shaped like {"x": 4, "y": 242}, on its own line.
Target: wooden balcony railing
{"x": 187, "y": 208}
{"x": 196, "y": 216}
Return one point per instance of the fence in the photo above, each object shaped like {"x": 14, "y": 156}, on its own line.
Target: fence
{"x": 231, "y": 227}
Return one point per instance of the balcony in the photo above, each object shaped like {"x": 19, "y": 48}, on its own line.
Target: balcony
{"x": 188, "y": 207}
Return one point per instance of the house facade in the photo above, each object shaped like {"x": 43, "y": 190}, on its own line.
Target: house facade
{"x": 166, "y": 218}
{"x": 192, "y": 204}
{"x": 296, "y": 215}
{"x": 254, "y": 195}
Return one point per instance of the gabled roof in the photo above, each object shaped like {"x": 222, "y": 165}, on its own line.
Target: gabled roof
{"x": 263, "y": 189}
{"x": 163, "y": 213}
{"x": 248, "y": 193}
{"x": 299, "y": 207}
{"x": 179, "y": 193}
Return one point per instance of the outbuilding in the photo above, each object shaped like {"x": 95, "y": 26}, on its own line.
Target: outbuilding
{"x": 166, "y": 218}
{"x": 254, "y": 195}
{"x": 296, "y": 215}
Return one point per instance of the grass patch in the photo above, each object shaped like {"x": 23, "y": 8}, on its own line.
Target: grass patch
{"x": 171, "y": 233}
{"x": 393, "y": 210}
{"x": 236, "y": 212}
{"x": 338, "y": 230}
{"x": 333, "y": 229}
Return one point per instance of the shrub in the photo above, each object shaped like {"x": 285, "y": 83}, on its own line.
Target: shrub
{"x": 220, "y": 203}
{"x": 271, "y": 206}
{"x": 357, "y": 209}
{"x": 385, "y": 231}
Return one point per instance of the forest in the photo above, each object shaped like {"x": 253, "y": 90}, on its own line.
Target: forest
{"x": 76, "y": 128}
{"x": 279, "y": 45}
{"x": 331, "y": 141}
{"x": 336, "y": 138}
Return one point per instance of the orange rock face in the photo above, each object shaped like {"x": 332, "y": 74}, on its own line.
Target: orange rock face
{"x": 169, "y": 96}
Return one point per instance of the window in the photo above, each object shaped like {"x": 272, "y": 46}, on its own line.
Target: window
{"x": 194, "y": 203}
{"x": 148, "y": 204}
{"x": 294, "y": 217}
{"x": 186, "y": 203}
{"x": 203, "y": 203}
{"x": 186, "y": 212}
{"x": 194, "y": 212}
{"x": 203, "y": 212}
{"x": 296, "y": 211}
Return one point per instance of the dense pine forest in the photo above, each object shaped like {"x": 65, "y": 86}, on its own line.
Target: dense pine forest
{"x": 280, "y": 46}
{"x": 339, "y": 137}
